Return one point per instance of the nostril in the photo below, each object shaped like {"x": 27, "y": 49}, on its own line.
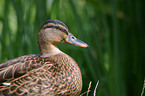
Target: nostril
{"x": 73, "y": 37}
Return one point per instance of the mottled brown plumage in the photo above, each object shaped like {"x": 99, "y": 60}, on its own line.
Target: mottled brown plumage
{"x": 52, "y": 73}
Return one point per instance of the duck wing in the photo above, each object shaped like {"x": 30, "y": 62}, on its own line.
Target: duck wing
{"x": 17, "y": 67}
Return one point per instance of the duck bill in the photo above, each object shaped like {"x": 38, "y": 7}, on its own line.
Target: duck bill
{"x": 73, "y": 40}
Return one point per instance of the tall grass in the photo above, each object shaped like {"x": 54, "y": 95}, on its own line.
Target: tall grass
{"x": 113, "y": 29}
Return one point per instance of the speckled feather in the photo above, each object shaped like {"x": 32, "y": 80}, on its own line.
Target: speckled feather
{"x": 41, "y": 76}
{"x": 52, "y": 73}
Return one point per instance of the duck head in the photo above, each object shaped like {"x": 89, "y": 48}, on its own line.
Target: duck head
{"x": 54, "y": 32}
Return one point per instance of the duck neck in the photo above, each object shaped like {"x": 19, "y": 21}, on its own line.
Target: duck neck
{"x": 48, "y": 50}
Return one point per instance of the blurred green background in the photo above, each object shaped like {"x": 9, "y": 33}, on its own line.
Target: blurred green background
{"x": 113, "y": 29}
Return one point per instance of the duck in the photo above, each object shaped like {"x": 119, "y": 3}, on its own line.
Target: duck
{"x": 50, "y": 73}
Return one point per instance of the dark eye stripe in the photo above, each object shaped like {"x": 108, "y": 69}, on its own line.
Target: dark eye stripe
{"x": 63, "y": 30}
{"x": 56, "y": 22}
{"x": 56, "y": 27}
{"x": 48, "y": 27}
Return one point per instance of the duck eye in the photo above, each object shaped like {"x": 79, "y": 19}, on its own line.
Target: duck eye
{"x": 57, "y": 27}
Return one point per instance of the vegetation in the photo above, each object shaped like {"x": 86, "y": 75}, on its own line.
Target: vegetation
{"x": 113, "y": 29}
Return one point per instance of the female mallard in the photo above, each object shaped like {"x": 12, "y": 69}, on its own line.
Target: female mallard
{"x": 51, "y": 73}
